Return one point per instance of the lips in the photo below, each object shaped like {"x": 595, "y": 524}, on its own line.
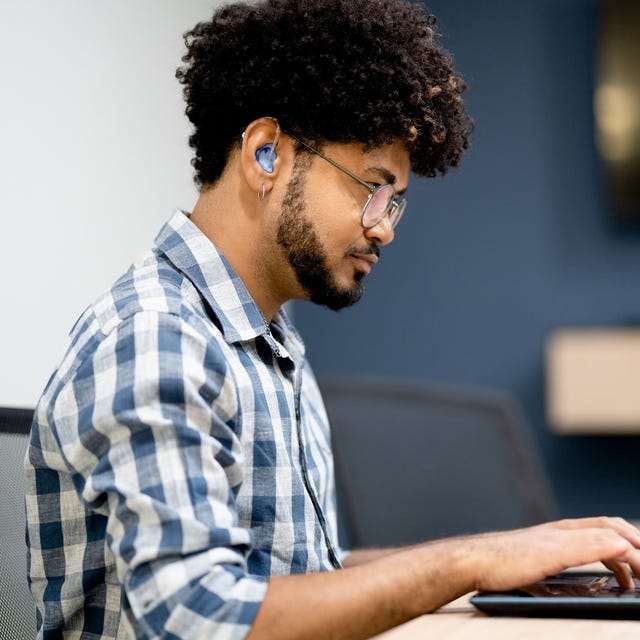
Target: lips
{"x": 365, "y": 260}
{"x": 371, "y": 258}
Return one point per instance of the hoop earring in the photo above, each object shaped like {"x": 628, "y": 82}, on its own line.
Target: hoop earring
{"x": 261, "y": 195}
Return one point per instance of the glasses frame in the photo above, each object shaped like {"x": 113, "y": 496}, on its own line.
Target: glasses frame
{"x": 395, "y": 207}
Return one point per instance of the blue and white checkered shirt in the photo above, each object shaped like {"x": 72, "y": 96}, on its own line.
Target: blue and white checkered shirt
{"x": 180, "y": 456}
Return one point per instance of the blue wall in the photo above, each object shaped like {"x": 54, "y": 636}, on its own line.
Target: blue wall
{"x": 518, "y": 240}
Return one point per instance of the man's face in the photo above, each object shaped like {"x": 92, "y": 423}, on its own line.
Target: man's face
{"x": 320, "y": 228}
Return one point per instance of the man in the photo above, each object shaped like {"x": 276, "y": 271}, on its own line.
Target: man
{"x": 180, "y": 473}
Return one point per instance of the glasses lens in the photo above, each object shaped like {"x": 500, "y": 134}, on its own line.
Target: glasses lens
{"x": 397, "y": 208}
{"x": 377, "y": 205}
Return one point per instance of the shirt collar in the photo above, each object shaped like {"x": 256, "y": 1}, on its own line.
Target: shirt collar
{"x": 191, "y": 252}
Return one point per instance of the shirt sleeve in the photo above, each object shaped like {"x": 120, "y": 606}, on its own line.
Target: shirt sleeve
{"x": 158, "y": 455}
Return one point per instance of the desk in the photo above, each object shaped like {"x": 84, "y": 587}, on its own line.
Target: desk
{"x": 460, "y": 620}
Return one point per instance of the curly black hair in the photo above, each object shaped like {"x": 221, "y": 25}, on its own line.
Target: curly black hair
{"x": 366, "y": 71}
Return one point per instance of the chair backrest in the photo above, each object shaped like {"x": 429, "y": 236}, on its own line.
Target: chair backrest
{"x": 416, "y": 461}
{"x": 17, "y": 610}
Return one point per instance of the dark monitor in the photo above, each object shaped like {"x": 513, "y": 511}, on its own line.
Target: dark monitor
{"x": 617, "y": 104}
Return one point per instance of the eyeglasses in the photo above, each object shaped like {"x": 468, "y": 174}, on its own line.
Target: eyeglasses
{"x": 381, "y": 201}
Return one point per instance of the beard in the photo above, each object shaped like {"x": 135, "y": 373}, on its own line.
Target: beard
{"x": 306, "y": 255}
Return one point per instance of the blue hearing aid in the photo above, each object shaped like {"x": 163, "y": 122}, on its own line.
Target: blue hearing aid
{"x": 265, "y": 156}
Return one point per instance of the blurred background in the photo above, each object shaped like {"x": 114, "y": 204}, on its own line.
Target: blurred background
{"x": 524, "y": 237}
{"x": 521, "y": 239}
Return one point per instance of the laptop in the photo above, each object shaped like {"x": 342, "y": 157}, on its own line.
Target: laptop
{"x": 572, "y": 594}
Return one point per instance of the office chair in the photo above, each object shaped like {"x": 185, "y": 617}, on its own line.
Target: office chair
{"x": 17, "y": 610}
{"x": 416, "y": 461}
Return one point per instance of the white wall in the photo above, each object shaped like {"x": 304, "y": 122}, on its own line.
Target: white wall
{"x": 93, "y": 158}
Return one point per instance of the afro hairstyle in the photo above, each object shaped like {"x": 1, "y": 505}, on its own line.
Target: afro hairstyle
{"x": 367, "y": 71}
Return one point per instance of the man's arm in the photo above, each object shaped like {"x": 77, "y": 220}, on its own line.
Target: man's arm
{"x": 387, "y": 589}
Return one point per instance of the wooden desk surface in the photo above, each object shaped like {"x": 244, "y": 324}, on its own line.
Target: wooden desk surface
{"x": 460, "y": 620}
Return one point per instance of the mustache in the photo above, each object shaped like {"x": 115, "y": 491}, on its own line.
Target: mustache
{"x": 372, "y": 249}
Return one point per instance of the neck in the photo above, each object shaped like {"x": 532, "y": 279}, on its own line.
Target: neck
{"x": 238, "y": 224}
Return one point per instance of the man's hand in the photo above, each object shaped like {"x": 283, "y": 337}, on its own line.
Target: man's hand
{"x": 515, "y": 558}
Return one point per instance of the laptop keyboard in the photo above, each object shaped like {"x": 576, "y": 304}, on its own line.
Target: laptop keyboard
{"x": 583, "y": 586}
{"x": 612, "y": 590}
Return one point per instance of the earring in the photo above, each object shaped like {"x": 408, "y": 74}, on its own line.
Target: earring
{"x": 261, "y": 195}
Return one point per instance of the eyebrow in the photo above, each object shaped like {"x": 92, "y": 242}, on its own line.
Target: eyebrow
{"x": 387, "y": 176}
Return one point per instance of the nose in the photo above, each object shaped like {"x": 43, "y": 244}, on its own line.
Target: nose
{"x": 381, "y": 233}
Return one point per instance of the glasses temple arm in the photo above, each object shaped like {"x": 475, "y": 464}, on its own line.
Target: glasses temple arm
{"x": 330, "y": 161}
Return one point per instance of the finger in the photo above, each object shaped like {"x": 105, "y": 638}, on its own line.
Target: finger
{"x": 613, "y": 549}
{"x": 619, "y": 525}
{"x": 631, "y": 532}
{"x": 633, "y": 561}
{"x": 621, "y": 573}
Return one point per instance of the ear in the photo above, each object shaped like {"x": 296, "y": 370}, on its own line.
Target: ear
{"x": 259, "y": 156}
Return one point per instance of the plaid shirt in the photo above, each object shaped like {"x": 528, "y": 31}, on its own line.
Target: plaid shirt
{"x": 180, "y": 456}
